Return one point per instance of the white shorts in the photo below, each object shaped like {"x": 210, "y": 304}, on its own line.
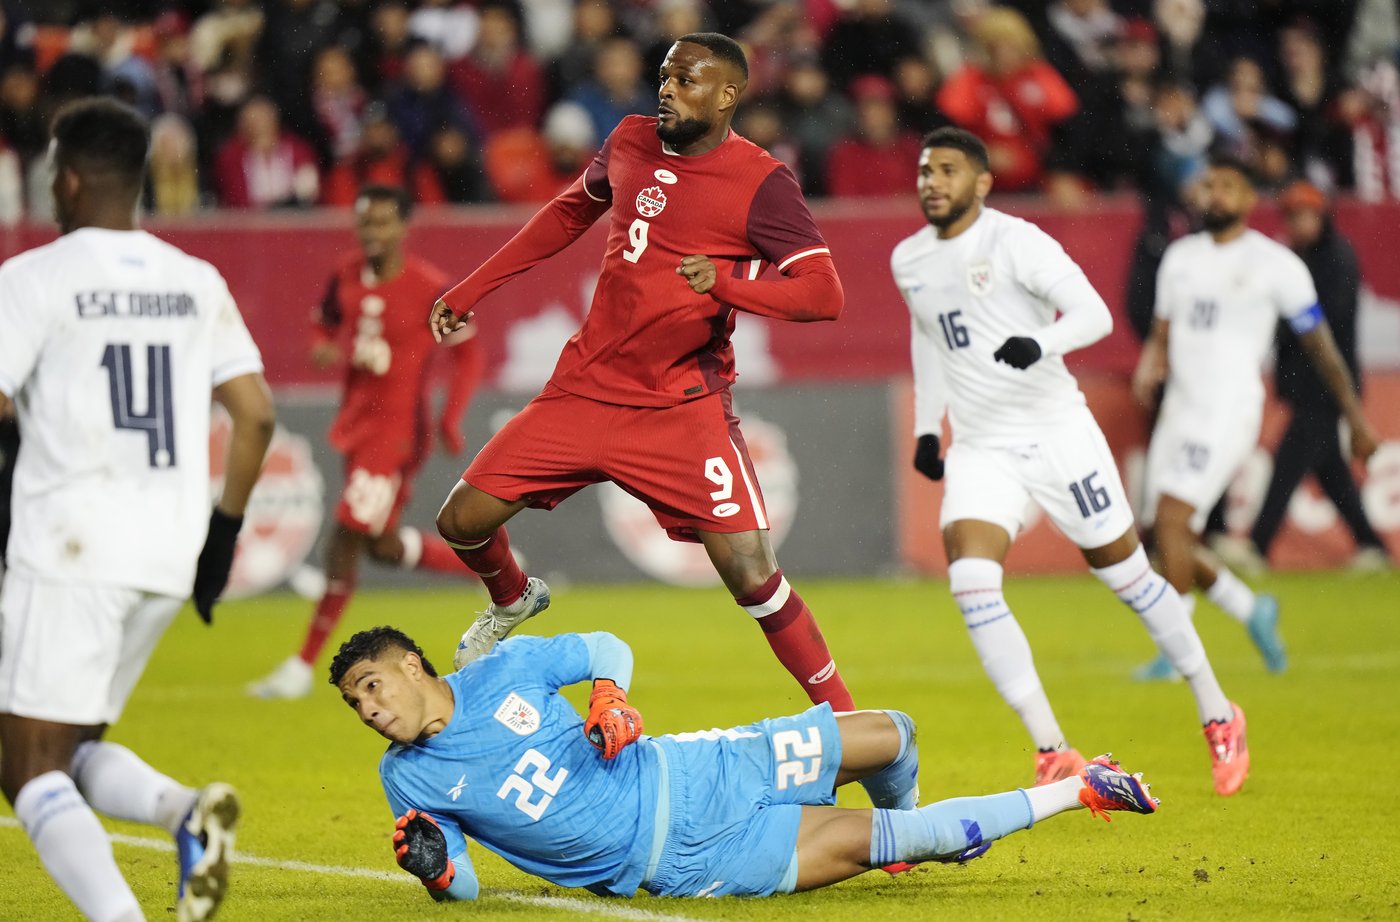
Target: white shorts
{"x": 1069, "y": 473}
{"x": 1194, "y": 459}
{"x": 71, "y": 653}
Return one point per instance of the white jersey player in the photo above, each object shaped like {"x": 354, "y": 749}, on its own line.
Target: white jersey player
{"x": 1220, "y": 295}
{"x": 113, "y": 341}
{"x": 984, "y": 290}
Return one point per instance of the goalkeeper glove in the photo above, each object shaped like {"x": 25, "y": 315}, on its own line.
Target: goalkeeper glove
{"x": 215, "y": 562}
{"x": 926, "y": 460}
{"x": 421, "y": 849}
{"x": 1019, "y": 352}
{"x": 612, "y": 722}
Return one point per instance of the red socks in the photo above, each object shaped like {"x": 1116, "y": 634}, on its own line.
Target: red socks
{"x": 328, "y": 612}
{"x": 796, "y": 640}
{"x": 491, "y": 560}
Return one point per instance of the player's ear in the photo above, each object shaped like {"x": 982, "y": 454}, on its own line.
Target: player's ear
{"x": 983, "y": 186}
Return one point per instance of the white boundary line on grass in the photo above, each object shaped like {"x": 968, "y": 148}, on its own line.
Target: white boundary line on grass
{"x": 548, "y": 902}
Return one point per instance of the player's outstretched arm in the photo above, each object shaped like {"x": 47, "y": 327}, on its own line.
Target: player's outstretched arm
{"x": 553, "y": 227}
{"x": 249, "y": 403}
{"x": 420, "y": 848}
{"x": 1322, "y": 352}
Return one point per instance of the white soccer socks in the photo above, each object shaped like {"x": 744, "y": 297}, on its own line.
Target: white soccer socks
{"x": 1002, "y": 646}
{"x": 1168, "y": 622}
{"x": 1232, "y": 595}
{"x": 74, "y": 848}
{"x": 117, "y": 783}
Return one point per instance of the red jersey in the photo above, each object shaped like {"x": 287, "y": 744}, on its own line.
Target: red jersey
{"x": 648, "y": 339}
{"x": 388, "y": 348}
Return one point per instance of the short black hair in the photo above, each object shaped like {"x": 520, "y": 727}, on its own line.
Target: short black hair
{"x": 98, "y": 134}
{"x": 1224, "y": 160}
{"x": 721, "y": 46}
{"x": 959, "y": 139}
{"x": 371, "y": 644}
{"x": 379, "y": 192}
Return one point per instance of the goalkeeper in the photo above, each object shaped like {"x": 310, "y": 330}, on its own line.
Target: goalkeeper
{"x": 494, "y": 752}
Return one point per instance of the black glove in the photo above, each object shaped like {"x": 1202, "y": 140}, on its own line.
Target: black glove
{"x": 215, "y": 562}
{"x": 421, "y": 849}
{"x": 1019, "y": 352}
{"x": 926, "y": 460}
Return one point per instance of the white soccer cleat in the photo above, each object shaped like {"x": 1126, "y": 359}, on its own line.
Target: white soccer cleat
{"x": 496, "y": 623}
{"x": 288, "y": 681}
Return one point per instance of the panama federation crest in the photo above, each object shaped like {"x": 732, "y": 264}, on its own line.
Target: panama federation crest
{"x": 518, "y": 715}
{"x": 651, "y": 201}
{"x": 979, "y": 278}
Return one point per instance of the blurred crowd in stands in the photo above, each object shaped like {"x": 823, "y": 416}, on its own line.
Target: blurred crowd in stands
{"x": 276, "y": 103}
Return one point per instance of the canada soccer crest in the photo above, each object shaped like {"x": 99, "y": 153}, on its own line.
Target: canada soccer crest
{"x": 979, "y": 278}
{"x": 651, "y": 201}
{"x": 283, "y": 518}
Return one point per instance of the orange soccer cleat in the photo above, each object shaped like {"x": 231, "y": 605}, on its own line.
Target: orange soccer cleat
{"x": 1056, "y": 764}
{"x": 1229, "y": 753}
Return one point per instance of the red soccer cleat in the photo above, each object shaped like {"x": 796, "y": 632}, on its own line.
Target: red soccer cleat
{"x": 1229, "y": 753}
{"x": 1055, "y": 765}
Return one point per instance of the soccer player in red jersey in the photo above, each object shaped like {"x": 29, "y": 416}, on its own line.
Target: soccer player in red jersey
{"x": 383, "y": 428}
{"x": 640, "y": 395}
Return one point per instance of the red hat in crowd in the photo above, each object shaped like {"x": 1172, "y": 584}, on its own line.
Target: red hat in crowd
{"x": 872, "y": 86}
{"x": 1138, "y": 29}
{"x": 1302, "y": 195}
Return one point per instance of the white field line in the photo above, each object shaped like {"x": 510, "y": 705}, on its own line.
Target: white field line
{"x": 563, "y": 903}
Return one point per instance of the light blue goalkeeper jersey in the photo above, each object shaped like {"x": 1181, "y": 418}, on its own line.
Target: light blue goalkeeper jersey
{"x": 513, "y": 770}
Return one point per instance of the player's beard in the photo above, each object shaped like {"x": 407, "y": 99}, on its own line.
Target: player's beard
{"x": 1216, "y": 221}
{"x": 956, "y": 210}
{"x": 684, "y": 132}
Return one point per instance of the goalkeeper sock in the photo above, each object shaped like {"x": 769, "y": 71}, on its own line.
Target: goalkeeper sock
{"x": 1054, "y": 798}
{"x": 797, "y": 641}
{"x": 1233, "y": 596}
{"x": 74, "y": 847}
{"x": 491, "y": 559}
{"x": 1168, "y": 621}
{"x": 896, "y": 786}
{"x": 946, "y": 828}
{"x": 116, "y": 782}
{"x": 327, "y": 616}
{"x": 1002, "y": 646}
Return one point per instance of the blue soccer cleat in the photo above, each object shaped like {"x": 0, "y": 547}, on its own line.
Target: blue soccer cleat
{"x": 1263, "y": 630}
{"x": 204, "y": 845}
{"x": 495, "y": 624}
{"x": 1107, "y": 788}
{"x": 1158, "y": 670}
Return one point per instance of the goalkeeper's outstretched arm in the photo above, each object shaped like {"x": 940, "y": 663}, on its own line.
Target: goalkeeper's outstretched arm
{"x": 420, "y": 848}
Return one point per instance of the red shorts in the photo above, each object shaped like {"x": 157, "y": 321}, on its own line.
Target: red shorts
{"x": 688, "y": 463}
{"x": 378, "y": 485}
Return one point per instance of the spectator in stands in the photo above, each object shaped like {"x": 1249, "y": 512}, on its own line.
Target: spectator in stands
{"x": 875, "y": 161}
{"x": 179, "y": 84}
{"x": 1081, "y": 40}
{"x": 292, "y": 34}
{"x": 528, "y": 166}
{"x": 388, "y": 46}
{"x": 1322, "y": 144}
{"x": 815, "y": 118}
{"x": 915, "y": 87}
{"x": 379, "y": 158}
{"x": 1012, "y": 100}
{"x": 868, "y": 38}
{"x": 761, "y": 123}
{"x": 225, "y": 36}
{"x": 1242, "y": 106}
{"x": 594, "y": 22}
{"x": 22, "y": 122}
{"x": 675, "y": 18}
{"x": 1190, "y": 58}
{"x": 172, "y": 176}
{"x": 1311, "y": 443}
{"x": 112, "y": 43}
{"x": 339, "y": 103}
{"x": 423, "y": 104}
{"x": 13, "y": 51}
{"x": 263, "y": 166}
{"x": 453, "y": 165}
{"x": 617, "y": 88}
{"x": 11, "y": 186}
{"x": 500, "y": 83}
{"x": 450, "y": 26}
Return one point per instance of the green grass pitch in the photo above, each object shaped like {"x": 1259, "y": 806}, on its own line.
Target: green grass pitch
{"x": 1314, "y": 834}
